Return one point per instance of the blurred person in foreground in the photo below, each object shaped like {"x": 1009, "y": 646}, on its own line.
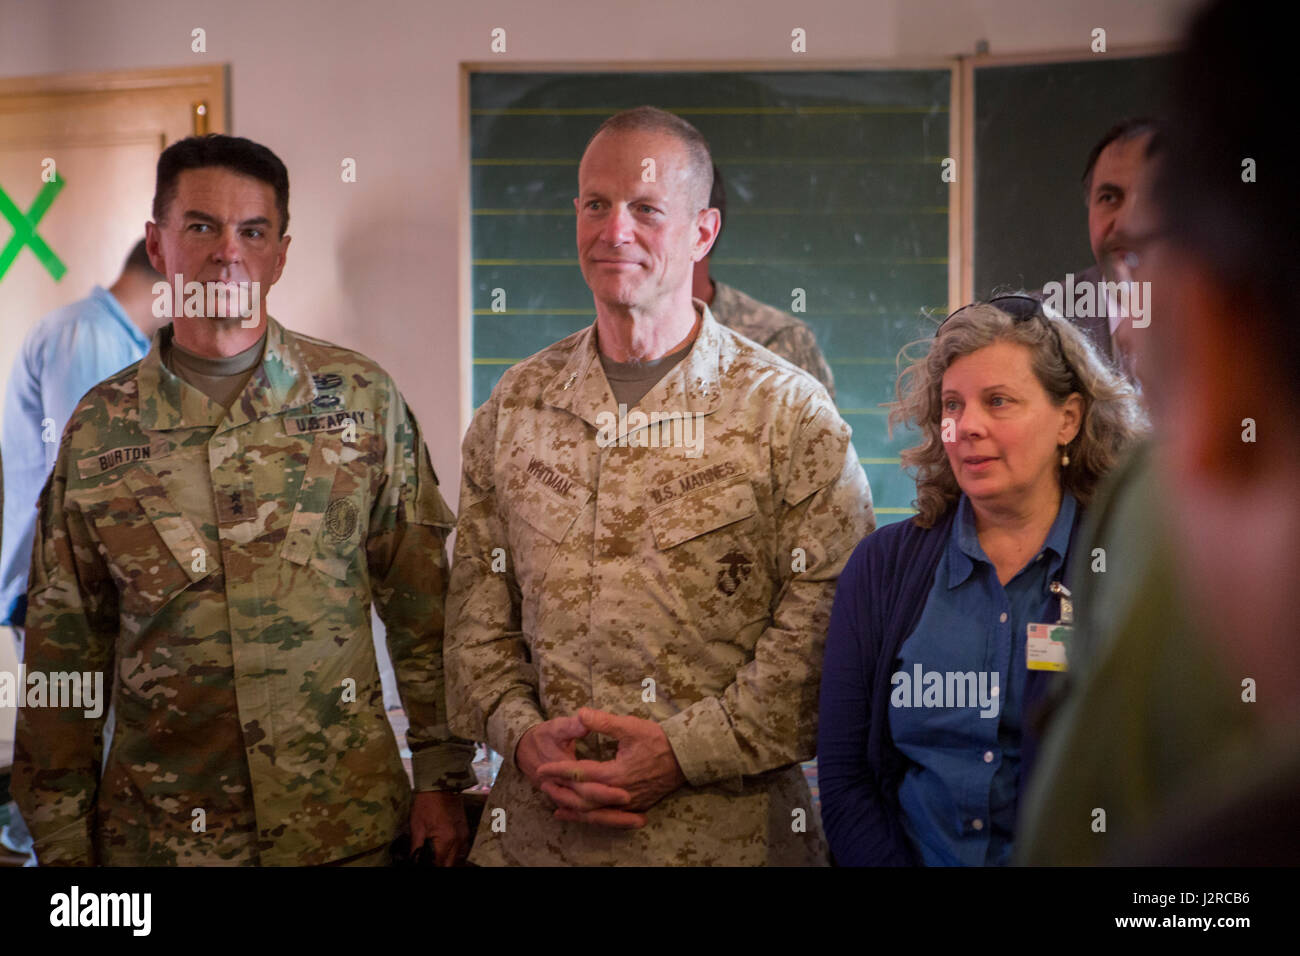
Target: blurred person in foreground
{"x": 1183, "y": 731}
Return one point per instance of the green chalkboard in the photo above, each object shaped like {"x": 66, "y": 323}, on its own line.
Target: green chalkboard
{"x": 834, "y": 187}
{"x": 1034, "y": 127}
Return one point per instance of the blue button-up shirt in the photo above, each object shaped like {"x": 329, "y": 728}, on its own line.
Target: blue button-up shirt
{"x": 69, "y": 351}
{"x": 959, "y": 800}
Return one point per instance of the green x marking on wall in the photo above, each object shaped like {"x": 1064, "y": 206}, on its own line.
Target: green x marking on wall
{"x": 25, "y": 230}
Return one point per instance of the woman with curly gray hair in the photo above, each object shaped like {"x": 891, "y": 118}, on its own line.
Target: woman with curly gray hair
{"x": 946, "y": 629}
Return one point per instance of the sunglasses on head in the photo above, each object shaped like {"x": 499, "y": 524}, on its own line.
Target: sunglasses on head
{"x": 1021, "y": 308}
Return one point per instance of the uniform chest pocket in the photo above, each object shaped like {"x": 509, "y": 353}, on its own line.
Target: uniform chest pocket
{"x": 154, "y": 550}
{"x": 702, "y": 512}
{"x": 544, "y": 513}
{"x": 328, "y": 522}
{"x": 537, "y": 520}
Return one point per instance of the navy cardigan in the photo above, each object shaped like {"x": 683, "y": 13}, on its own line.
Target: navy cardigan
{"x": 878, "y": 603}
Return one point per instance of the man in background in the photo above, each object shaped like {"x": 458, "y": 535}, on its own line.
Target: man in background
{"x": 68, "y": 351}
{"x": 771, "y": 328}
{"x": 1112, "y": 182}
{"x": 63, "y": 356}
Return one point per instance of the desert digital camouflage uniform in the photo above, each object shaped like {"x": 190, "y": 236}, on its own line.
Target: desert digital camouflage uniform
{"x": 773, "y": 329}
{"x": 221, "y": 572}
{"x": 621, "y": 565}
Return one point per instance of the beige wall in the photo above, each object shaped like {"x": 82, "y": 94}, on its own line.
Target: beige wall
{"x": 373, "y": 264}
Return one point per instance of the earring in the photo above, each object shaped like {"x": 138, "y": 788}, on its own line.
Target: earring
{"x": 1065, "y": 457}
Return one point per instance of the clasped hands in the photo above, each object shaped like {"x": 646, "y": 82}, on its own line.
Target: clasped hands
{"x": 613, "y": 793}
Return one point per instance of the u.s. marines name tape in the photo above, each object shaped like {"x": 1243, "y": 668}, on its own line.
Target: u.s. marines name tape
{"x": 696, "y": 479}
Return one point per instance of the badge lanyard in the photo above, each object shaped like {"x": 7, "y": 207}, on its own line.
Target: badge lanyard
{"x": 1045, "y": 644}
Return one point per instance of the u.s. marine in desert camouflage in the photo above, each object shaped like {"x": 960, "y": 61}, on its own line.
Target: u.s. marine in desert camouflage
{"x": 779, "y": 333}
{"x": 687, "y": 584}
{"x": 220, "y": 571}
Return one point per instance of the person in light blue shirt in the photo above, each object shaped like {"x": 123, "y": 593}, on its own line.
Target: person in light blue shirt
{"x": 69, "y": 351}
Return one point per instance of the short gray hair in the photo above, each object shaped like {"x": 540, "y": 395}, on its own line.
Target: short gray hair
{"x": 651, "y": 119}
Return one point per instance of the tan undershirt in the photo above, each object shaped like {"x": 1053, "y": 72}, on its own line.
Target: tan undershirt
{"x": 631, "y": 381}
{"x": 221, "y": 379}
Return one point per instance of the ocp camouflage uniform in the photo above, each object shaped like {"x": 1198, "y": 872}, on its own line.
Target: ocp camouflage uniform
{"x": 643, "y": 581}
{"x": 220, "y": 573}
{"x": 773, "y": 329}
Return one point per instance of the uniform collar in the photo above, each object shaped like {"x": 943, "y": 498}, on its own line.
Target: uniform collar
{"x": 964, "y": 546}
{"x": 281, "y": 382}
{"x": 692, "y": 386}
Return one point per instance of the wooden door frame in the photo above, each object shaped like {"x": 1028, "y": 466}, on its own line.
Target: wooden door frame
{"x": 210, "y": 83}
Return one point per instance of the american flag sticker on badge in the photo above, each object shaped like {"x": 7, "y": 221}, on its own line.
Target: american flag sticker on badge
{"x": 1045, "y": 647}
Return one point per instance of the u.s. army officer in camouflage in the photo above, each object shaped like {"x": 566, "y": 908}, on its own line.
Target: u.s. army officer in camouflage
{"x": 654, "y": 512}
{"x": 221, "y": 517}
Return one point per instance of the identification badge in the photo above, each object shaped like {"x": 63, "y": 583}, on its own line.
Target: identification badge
{"x": 1045, "y": 647}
